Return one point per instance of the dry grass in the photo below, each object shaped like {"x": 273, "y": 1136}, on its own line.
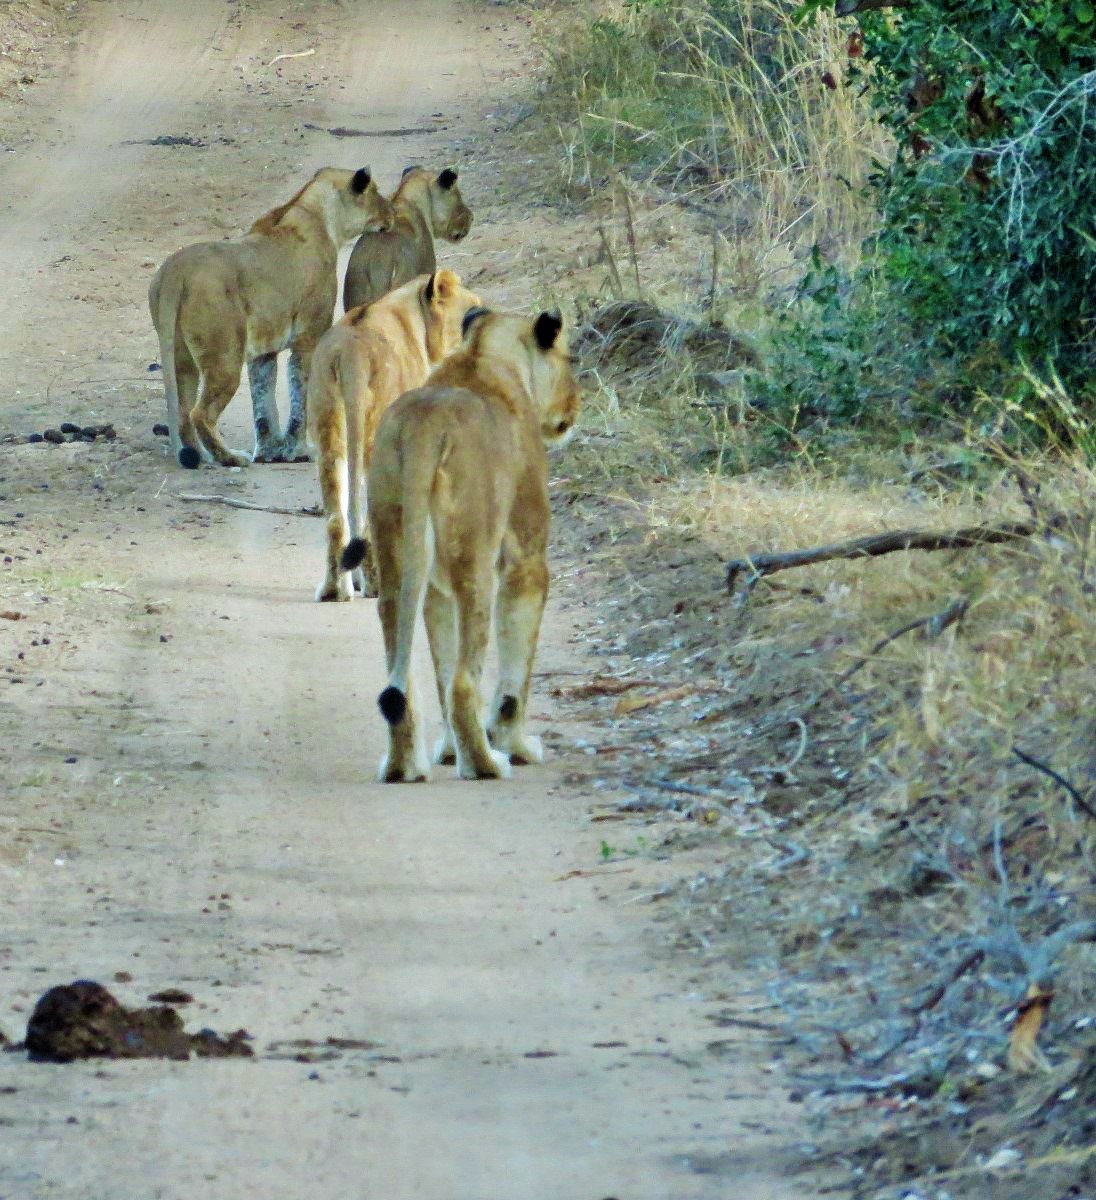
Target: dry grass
{"x": 722, "y": 105}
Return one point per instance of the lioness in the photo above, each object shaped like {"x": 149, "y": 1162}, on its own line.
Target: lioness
{"x": 217, "y": 305}
{"x": 374, "y": 354}
{"x": 424, "y": 208}
{"x": 458, "y": 509}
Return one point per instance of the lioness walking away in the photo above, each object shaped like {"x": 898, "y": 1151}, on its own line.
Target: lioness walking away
{"x": 374, "y": 354}
{"x": 217, "y": 305}
{"x": 458, "y": 508}
{"x": 424, "y": 207}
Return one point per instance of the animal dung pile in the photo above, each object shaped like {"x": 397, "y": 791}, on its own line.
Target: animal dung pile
{"x": 83, "y": 1020}
{"x": 69, "y": 431}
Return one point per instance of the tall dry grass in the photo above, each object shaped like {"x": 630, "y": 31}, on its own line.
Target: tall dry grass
{"x": 725, "y": 104}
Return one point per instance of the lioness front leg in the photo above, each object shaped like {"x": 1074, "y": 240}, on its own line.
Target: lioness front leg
{"x": 262, "y": 375}
{"x": 518, "y": 612}
{"x": 300, "y": 364}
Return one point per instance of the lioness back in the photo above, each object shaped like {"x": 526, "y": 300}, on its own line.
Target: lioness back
{"x": 425, "y": 207}
{"x": 459, "y": 515}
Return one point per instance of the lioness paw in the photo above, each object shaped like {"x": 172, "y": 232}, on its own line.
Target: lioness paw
{"x": 495, "y": 766}
{"x": 339, "y": 590}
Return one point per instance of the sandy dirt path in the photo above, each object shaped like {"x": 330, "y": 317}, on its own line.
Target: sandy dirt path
{"x": 189, "y": 742}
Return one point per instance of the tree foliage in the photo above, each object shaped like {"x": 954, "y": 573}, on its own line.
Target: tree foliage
{"x": 989, "y": 207}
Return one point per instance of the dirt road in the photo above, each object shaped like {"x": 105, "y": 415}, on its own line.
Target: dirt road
{"x": 189, "y": 742}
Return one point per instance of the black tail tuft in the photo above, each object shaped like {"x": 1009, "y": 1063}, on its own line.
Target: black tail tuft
{"x": 189, "y": 457}
{"x": 508, "y": 709}
{"x": 393, "y": 705}
{"x": 354, "y": 554}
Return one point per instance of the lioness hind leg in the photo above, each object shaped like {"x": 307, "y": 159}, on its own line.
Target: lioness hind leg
{"x": 335, "y": 584}
{"x": 365, "y": 576}
{"x": 186, "y": 386}
{"x": 475, "y": 757}
{"x": 518, "y": 612}
{"x": 406, "y": 760}
{"x": 440, "y": 614}
{"x": 219, "y": 382}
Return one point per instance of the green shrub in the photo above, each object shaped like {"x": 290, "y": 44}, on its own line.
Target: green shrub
{"x": 989, "y": 207}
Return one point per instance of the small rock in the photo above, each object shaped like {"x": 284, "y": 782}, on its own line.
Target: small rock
{"x": 35, "y": 437}
{"x": 161, "y": 430}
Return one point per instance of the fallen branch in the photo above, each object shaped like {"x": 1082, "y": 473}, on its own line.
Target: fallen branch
{"x": 631, "y": 704}
{"x": 1076, "y": 796}
{"x": 876, "y": 544}
{"x": 231, "y": 502}
{"x": 298, "y": 54}
{"x": 933, "y": 625}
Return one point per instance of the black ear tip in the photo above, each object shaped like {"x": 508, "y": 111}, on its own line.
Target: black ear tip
{"x": 447, "y": 178}
{"x": 470, "y": 318}
{"x": 546, "y": 328}
{"x": 407, "y": 171}
{"x": 428, "y": 291}
{"x": 361, "y": 180}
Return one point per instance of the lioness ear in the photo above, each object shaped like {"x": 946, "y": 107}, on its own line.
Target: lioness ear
{"x": 546, "y": 329}
{"x": 428, "y": 291}
{"x": 447, "y": 178}
{"x": 471, "y": 317}
{"x": 446, "y": 283}
{"x": 361, "y": 180}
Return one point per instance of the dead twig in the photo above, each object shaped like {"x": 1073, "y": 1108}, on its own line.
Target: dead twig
{"x": 610, "y": 258}
{"x": 231, "y": 502}
{"x": 1075, "y": 795}
{"x": 875, "y": 544}
{"x": 298, "y": 54}
{"x": 933, "y": 625}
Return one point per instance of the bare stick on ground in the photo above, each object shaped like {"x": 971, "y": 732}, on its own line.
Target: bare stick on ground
{"x": 933, "y": 625}
{"x": 1075, "y": 795}
{"x": 874, "y": 544}
{"x": 233, "y": 502}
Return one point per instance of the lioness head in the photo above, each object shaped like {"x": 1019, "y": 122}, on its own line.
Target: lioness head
{"x": 445, "y": 301}
{"x": 358, "y": 206}
{"x": 535, "y": 349}
{"x": 450, "y": 218}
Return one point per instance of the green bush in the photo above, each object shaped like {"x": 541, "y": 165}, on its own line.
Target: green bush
{"x": 989, "y": 207}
